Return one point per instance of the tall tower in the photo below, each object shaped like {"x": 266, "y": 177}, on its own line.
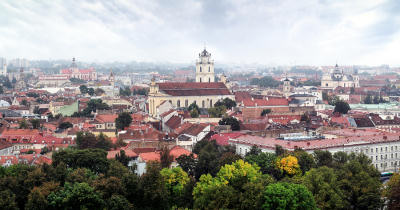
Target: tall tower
{"x": 3, "y": 66}
{"x": 112, "y": 78}
{"x": 205, "y": 67}
{"x": 286, "y": 86}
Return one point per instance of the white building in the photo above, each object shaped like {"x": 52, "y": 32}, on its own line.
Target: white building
{"x": 383, "y": 148}
{"x": 337, "y": 78}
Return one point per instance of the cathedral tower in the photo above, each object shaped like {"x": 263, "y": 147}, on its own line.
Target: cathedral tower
{"x": 205, "y": 68}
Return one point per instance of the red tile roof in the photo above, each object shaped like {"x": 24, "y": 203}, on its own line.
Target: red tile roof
{"x": 222, "y": 138}
{"x": 174, "y": 122}
{"x": 266, "y": 102}
{"x": 106, "y": 118}
{"x": 194, "y": 88}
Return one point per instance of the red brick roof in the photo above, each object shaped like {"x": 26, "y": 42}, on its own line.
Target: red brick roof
{"x": 194, "y": 88}
{"x": 106, "y": 118}
{"x": 174, "y": 122}
{"x": 195, "y": 129}
{"x": 222, "y": 138}
{"x": 266, "y": 102}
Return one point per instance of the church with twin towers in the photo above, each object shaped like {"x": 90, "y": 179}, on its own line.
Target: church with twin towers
{"x": 204, "y": 92}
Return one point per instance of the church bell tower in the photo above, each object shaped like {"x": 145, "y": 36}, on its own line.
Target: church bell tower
{"x": 205, "y": 67}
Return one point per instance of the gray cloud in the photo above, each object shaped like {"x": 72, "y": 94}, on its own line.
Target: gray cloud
{"x": 269, "y": 32}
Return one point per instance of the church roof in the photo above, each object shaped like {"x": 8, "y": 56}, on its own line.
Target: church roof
{"x": 194, "y": 88}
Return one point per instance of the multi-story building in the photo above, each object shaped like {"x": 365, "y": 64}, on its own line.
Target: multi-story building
{"x": 204, "y": 92}
{"x": 383, "y": 148}
{"x": 83, "y": 74}
{"x": 337, "y": 78}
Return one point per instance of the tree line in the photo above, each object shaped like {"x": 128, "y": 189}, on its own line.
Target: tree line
{"x": 214, "y": 177}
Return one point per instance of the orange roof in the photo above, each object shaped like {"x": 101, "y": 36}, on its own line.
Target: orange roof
{"x": 150, "y": 156}
{"x": 177, "y": 151}
{"x": 106, "y": 118}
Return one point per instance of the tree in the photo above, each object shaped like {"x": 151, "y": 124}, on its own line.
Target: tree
{"x": 392, "y": 192}
{"x": 99, "y": 91}
{"x": 288, "y": 196}
{"x": 123, "y": 120}
{"x": 217, "y": 111}
{"x": 125, "y": 91}
{"x": 342, "y": 107}
{"x": 165, "y": 157}
{"x": 175, "y": 180}
{"x": 266, "y": 161}
{"x": 103, "y": 142}
{"x": 7, "y": 200}
{"x": 65, "y": 125}
{"x": 36, "y": 200}
{"x": 24, "y": 102}
{"x": 153, "y": 188}
{"x": 227, "y": 102}
{"x": 266, "y": 81}
{"x": 233, "y": 122}
{"x": 360, "y": 183}
{"x": 265, "y": 112}
{"x": 36, "y": 110}
{"x": 85, "y": 140}
{"x": 117, "y": 202}
{"x": 122, "y": 157}
{"x": 23, "y": 124}
{"x": 194, "y": 113}
{"x": 225, "y": 189}
{"x": 76, "y": 196}
{"x": 93, "y": 159}
{"x": 193, "y": 106}
{"x": 306, "y": 160}
{"x": 90, "y": 91}
{"x": 83, "y": 89}
{"x": 322, "y": 183}
{"x": 187, "y": 163}
{"x": 35, "y": 123}
{"x": 333, "y": 99}
{"x": 288, "y": 165}
{"x": 323, "y": 158}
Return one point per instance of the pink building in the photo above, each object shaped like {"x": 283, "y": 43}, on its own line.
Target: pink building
{"x": 83, "y": 74}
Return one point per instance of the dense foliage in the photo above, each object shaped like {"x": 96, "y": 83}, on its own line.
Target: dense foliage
{"x": 213, "y": 178}
{"x": 266, "y": 81}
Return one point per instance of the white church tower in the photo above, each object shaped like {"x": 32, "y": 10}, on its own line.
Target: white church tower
{"x": 205, "y": 68}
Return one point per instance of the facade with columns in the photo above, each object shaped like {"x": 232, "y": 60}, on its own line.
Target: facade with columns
{"x": 337, "y": 78}
{"x": 205, "y": 92}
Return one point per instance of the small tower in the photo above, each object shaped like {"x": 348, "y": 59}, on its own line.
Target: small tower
{"x": 286, "y": 86}
{"x": 112, "y": 78}
{"x": 153, "y": 87}
{"x": 223, "y": 78}
{"x": 205, "y": 67}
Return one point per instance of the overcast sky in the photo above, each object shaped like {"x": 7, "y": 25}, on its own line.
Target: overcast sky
{"x": 272, "y": 32}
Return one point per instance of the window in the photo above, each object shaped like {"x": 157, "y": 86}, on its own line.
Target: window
{"x": 391, "y": 148}
{"x": 376, "y": 157}
{"x": 211, "y": 104}
{"x": 377, "y": 150}
{"x": 385, "y": 156}
{"x": 391, "y": 156}
{"x": 372, "y": 150}
{"x": 203, "y": 104}
{"x": 396, "y": 155}
{"x": 396, "y": 148}
{"x": 200, "y": 68}
{"x": 385, "y": 149}
{"x": 381, "y": 157}
{"x": 381, "y": 149}
{"x": 209, "y": 79}
{"x": 200, "y": 79}
{"x": 186, "y": 103}
{"x": 209, "y": 69}
{"x": 178, "y": 103}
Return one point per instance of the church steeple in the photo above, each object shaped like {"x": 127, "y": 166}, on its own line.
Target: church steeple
{"x": 205, "y": 67}
{"x": 112, "y": 78}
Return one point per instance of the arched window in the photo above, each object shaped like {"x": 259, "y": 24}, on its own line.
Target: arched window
{"x": 211, "y": 104}
{"x": 200, "y": 68}
{"x": 209, "y": 69}
{"x": 194, "y": 102}
{"x": 186, "y": 103}
{"x": 203, "y": 104}
{"x": 209, "y": 79}
{"x": 200, "y": 79}
{"x": 178, "y": 103}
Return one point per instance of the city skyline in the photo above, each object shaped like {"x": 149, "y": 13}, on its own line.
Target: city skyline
{"x": 270, "y": 33}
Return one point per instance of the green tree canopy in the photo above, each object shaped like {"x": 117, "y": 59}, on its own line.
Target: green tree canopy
{"x": 283, "y": 196}
{"x": 123, "y": 120}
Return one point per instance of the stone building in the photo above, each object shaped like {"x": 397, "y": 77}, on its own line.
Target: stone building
{"x": 337, "y": 78}
{"x": 205, "y": 92}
